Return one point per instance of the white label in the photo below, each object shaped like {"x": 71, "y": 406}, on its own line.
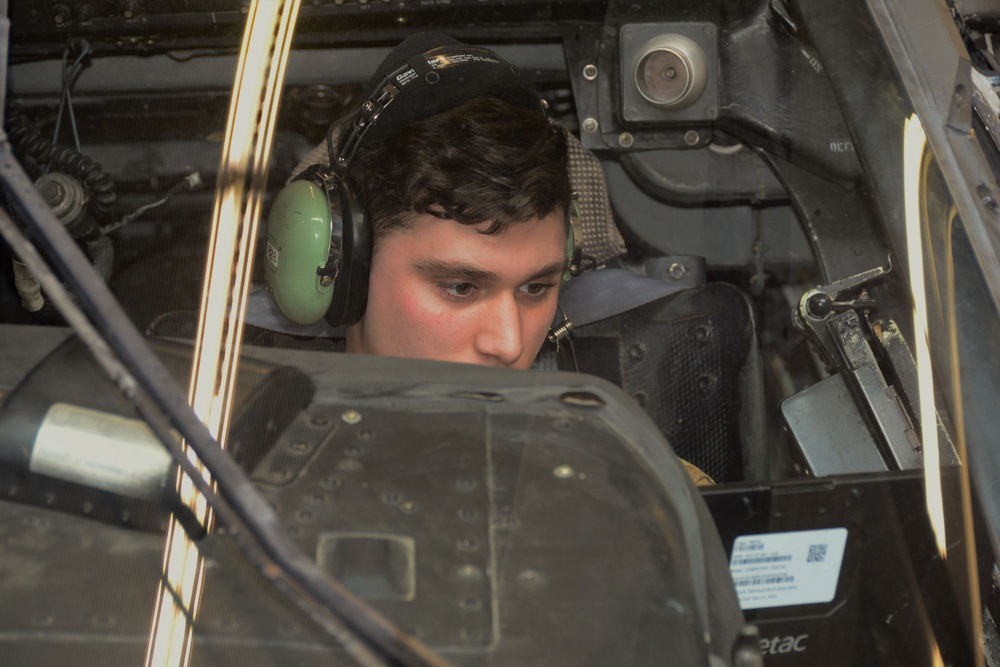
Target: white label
{"x": 100, "y": 450}
{"x": 272, "y": 254}
{"x": 781, "y": 569}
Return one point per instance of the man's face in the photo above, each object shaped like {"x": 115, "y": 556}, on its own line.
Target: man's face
{"x": 442, "y": 290}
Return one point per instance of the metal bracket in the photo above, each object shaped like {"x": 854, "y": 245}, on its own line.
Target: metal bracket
{"x": 818, "y": 306}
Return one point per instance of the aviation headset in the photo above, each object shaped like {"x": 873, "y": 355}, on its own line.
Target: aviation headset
{"x": 317, "y": 265}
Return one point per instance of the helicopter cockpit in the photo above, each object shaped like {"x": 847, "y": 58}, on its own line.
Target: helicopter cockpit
{"x": 788, "y": 236}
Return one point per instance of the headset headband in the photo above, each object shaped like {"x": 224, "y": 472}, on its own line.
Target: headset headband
{"x": 434, "y": 73}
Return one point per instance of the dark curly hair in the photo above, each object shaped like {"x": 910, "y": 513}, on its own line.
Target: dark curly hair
{"x": 483, "y": 160}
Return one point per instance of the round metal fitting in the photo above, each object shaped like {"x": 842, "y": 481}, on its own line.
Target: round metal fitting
{"x": 677, "y": 270}
{"x": 691, "y": 138}
{"x": 625, "y": 139}
{"x": 351, "y": 417}
{"x": 590, "y": 72}
{"x": 65, "y": 196}
{"x": 819, "y": 305}
{"x": 589, "y": 125}
{"x": 671, "y": 72}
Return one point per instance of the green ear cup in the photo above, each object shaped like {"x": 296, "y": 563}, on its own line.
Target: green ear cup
{"x": 298, "y": 235}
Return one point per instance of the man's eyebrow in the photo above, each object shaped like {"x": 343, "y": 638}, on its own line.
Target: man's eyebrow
{"x": 439, "y": 267}
{"x": 555, "y": 267}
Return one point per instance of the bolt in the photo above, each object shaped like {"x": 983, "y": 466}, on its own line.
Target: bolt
{"x": 590, "y": 125}
{"x": 563, "y": 471}
{"x": 349, "y": 465}
{"x": 691, "y": 138}
{"x": 470, "y": 635}
{"x": 631, "y": 113}
{"x": 677, "y": 270}
{"x": 351, "y": 417}
{"x": 625, "y": 139}
{"x": 469, "y": 572}
{"x": 470, "y": 603}
{"x": 641, "y": 397}
{"x": 103, "y": 621}
{"x": 300, "y": 447}
{"x": 702, "y": 334}
{"x": 637, "y": 351}
{"x": 589, "y": 72}
{"x": 531, "y": 578}
{"x": 326, "y": 281}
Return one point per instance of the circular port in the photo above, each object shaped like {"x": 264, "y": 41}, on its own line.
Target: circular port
{"x": 671, "y": 71}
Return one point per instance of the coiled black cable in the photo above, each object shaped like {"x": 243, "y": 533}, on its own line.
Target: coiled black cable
{"x": 39, "y": 154}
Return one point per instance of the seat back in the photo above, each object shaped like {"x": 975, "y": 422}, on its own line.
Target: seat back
{"x": 691, "y": 360}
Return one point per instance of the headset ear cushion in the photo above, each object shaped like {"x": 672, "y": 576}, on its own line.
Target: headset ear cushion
{"x": 350, "y": 293}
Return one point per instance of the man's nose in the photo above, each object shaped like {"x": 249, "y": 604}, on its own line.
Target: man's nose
{"x": 499, "y": 332}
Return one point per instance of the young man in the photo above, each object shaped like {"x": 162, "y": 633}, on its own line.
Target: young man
{"x": 467, "y": 192}
{"x": 468, "y": 213}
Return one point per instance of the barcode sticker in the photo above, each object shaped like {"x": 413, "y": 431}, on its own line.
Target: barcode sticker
{"x": 782, "y": 569}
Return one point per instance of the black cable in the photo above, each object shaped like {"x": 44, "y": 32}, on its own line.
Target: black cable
{"x": 69, "y": 75}
{"x": 250, "y": 511}
{"x": 161, "y": 428}
{"x": 38, "y": 151}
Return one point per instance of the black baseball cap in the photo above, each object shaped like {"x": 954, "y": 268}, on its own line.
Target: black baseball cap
{"x": 433, "y": 73}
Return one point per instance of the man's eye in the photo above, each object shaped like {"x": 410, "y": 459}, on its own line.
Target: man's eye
{"x": 458, "y": 289}
{"x": 536, "y": 289}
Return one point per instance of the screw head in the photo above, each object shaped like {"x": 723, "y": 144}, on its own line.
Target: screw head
{"x": 691, "y": 138}
{"x": 625, "y": 139}
{"x": 590, "y": 72}
{"x": 590, "y": 125}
